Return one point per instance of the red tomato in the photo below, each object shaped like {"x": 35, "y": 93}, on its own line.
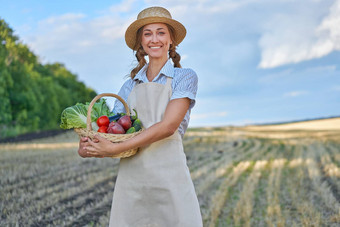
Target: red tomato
{"x": 102, "y": 129}
{"x": 103, "y": 121}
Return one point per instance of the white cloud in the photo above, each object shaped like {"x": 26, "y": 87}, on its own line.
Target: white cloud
{"x": 73, "y": 33}
{"x": 321, "y": 69}
{"x": 200, "y": 8}
{"x": 301, "y": 36}
{"x": 63, "y": 18}
{"x": 124, "y": 6}
{"x": 78, "y": 33}
{"x": 295, "y": 93}
{"x": 329, "y": 29}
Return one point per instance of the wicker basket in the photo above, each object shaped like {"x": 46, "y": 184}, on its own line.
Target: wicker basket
{"x": 115, "y": 138}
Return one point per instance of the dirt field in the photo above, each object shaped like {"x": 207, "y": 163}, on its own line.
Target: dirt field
{"x": 244, "y": 176}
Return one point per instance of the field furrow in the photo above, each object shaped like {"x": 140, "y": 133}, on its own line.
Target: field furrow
{"x": 49, "y": 185}
{"x": 219, "y": 198}
{"x": 321, "y": 193}
{"x": 226, "y": 212}
{"x": 69, "y": 203}
{"x": 44, "y": 176}
{"x": 330, "y": 172}
{"x": 240, "y": 200}
{"x": 244, "y": 207}
{"x": 209, "y": 173}
{"x": 274, "y": 214}
{"x": 242, "y": 178}
{"x": 207, "y": 187}
{"x": 212, "y": 159}
{"x": 301, "y": 212}
{"x": 260, "y": 200}
{"x": 334, "y": 152}
{"x": 29, "y": 165}
{"x": 212, "y": 154}
{"x": 95, "y": 215}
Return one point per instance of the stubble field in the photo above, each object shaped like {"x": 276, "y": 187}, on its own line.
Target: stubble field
{"x": 243, "y": 176}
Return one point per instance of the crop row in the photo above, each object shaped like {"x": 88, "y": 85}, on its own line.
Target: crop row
{"x": 240, "y": 181}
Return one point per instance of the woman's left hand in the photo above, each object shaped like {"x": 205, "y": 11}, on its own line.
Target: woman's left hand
{"x": 99, "y": 147}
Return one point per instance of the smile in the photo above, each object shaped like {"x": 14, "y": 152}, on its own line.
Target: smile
{"x": 155, "y": 47}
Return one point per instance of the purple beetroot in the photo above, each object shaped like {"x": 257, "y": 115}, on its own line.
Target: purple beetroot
{"x": 115, "y": 128}
{"x": 125, "y": 122}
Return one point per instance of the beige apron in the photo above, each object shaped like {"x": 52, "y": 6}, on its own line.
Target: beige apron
{"x": 154, "y": 187}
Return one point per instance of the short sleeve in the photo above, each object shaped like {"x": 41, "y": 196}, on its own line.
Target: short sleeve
{"x": 124, "y": 92}
{"x": 186, "y": 85}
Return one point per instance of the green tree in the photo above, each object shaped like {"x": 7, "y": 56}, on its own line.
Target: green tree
{"x": 32, "y": 94}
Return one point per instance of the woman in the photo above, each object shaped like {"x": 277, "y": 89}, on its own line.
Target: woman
{"x": 154, "y": 187}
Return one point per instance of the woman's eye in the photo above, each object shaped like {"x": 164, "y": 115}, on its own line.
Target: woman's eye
{"x": 147, "y": 34}
{"x": 161, "y": 33}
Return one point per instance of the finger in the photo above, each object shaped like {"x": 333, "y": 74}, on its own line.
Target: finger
{"x": 84, "y": 139}
{"x": 99, "y": 138}
{"x": 85, "y": 144}
{"x": 95, "y": 140}
{"x": 94, "y": 155}
{"x": 91, "y": 153}
{"x": 90, "y": 149}
{"x": 92, "y": 143}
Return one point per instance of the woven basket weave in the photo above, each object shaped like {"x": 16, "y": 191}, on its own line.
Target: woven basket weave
{"x": 115, "y": 138}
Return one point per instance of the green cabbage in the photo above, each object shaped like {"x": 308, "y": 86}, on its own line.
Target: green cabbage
{"x": 75, "y": 116}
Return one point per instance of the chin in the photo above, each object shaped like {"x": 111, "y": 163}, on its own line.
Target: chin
{"x": 157, "y": 56}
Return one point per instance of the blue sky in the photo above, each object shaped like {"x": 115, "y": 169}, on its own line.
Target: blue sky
{"x": 257, "y": 61}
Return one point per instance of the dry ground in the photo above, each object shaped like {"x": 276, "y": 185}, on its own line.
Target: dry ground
{"x": 283, "y": 175}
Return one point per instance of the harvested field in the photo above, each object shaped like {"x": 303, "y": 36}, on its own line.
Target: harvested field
{"x": 244, "y": 176}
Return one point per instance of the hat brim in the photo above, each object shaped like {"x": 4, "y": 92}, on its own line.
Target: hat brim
{"x": 131, "y": 31}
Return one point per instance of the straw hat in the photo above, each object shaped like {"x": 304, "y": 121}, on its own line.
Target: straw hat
{"x": 153, "y": 15}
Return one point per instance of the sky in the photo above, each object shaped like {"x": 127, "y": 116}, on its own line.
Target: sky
{"x": 257, "y": 61}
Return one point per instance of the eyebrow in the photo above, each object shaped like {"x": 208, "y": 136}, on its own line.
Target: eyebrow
{"x": 150, "y": 29}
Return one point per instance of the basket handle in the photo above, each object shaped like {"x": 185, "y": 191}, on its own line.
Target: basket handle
{"x": 88, "y": 119}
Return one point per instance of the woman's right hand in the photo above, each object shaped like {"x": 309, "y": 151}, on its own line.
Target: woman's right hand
{"x": 83, "y": 143}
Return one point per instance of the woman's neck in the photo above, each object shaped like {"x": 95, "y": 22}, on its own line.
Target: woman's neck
{"x": 154, "y": 67}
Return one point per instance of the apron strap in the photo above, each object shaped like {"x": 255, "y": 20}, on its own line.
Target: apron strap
{"x": 168, "y": 83}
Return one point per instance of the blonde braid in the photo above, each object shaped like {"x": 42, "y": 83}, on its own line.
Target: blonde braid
{"x": 140, "y": 54}
{"x": 176, "y": 58}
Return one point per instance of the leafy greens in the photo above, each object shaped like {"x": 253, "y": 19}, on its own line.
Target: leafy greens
{"x": 75, "y": 116}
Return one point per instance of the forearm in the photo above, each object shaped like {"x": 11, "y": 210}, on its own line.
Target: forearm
{"x": 172, "y": 118}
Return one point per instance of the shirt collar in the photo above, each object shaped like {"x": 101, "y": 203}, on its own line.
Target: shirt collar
{"x": 167, "y": 70}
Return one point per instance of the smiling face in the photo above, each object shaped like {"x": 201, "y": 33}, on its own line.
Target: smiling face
{"x": 156, "y": 40}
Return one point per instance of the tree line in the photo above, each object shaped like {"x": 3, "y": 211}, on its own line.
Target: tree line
{"x": 32, "y": 94}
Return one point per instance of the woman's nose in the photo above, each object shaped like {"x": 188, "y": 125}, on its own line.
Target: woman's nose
{"x": 154, "y": 38}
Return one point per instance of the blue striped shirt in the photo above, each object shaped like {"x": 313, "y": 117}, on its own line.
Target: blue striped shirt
{"x": 184, "y": 85}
